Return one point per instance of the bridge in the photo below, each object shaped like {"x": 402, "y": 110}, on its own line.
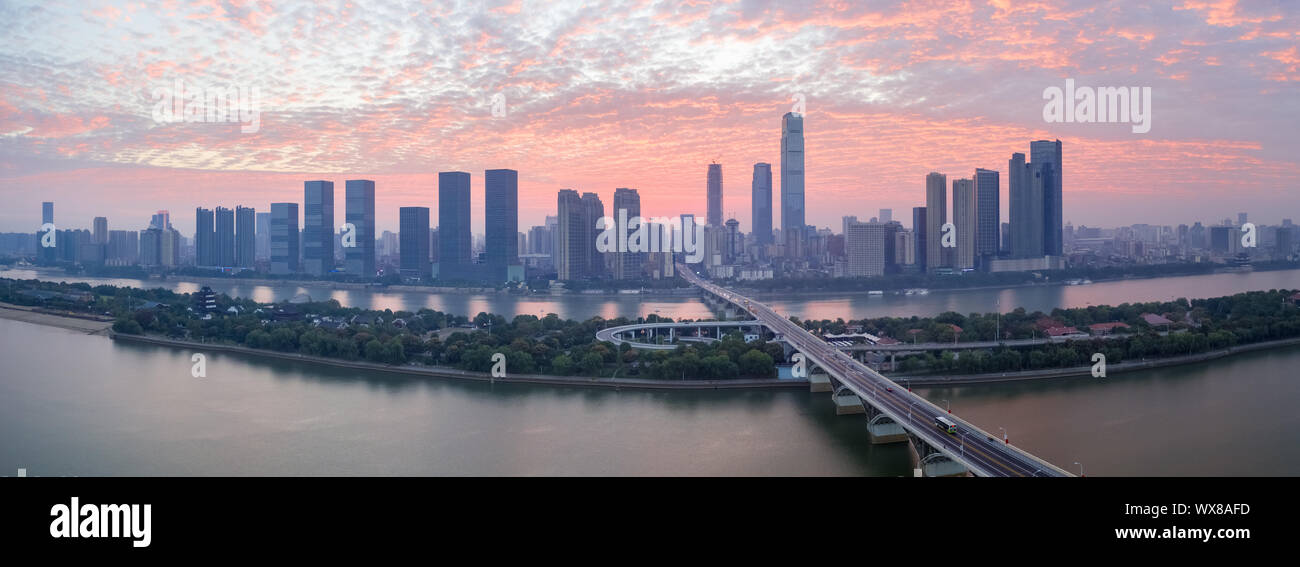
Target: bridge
{"x": 671, "y": 331}
{"x": 894, "y": 413}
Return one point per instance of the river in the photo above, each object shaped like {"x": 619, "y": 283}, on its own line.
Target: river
{"x": 75, "y": 404}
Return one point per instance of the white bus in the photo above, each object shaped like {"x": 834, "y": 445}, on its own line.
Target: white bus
{"x": 945, "y": 424}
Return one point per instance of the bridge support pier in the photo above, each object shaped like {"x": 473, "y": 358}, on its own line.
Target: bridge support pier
{"x": 930, "y": 462}
{"x": 819, "y": 382}
{"x": 882, "y": 429}
{"x": 846, "y": 402}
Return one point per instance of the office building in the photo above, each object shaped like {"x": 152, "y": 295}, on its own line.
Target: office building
{"x": 454, "y": 240}
{"x": 263, "y": 236}
{"x": 501, "y": 210}
{"x": 317, "y": 227}
{"x": 284, "y": 238}
{"x": 1048, "y": 152}
{"x": 205, "y": 238}
{"x": 359, "y": 211}
{"x": 414, "y": 245}
{"x": 919, "y": 231}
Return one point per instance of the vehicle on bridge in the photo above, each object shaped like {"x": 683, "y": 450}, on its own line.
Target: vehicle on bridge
{"x": 945, "y": 424}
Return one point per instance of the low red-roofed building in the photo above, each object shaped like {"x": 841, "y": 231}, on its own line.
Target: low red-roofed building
{"x": 1106, "y": 328}
{"x": 1155, "y": 320}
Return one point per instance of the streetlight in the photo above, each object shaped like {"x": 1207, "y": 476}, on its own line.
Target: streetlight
{"x": 1080, "y": 468}
{"x": 949, "y": 405}
{"x": 1004, "y": 436}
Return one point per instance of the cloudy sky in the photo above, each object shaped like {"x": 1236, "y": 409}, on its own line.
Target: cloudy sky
{"x": 644, "y": 95}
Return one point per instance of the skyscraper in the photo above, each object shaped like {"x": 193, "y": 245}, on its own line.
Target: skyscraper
{"x": 792, "y": 183}
{"x": 205, "y": 238}
{"x": 284, "y": 238}
{"x": 593, "y": 210}
{"x": 965, "y": 219}
{"x": 245, "y": 237}
{"x": 318, "y": 227}
{"x": 414, "y": 247}
{"x": 454, "y": 239}
{"x": 714, "y": 195}
{"x": 761, "y": 204}
{"x": 735, "y": 245}
{"x": 100, "y": 234}
{"x": 571, "y": 241}
{"x": 359, "y": 211}
{"x": 865, "y": 246}
{"x": 627, "y": 205}
{"x": 225, "y": 237}
{"x": 936, "y": 215}
{"x": 1025, "y": 191}
{"x": 988, "y": 212}
{"x": 919, "y": 231}
{"x": 1049, "y": 152}
{"x": 501, "y": 222}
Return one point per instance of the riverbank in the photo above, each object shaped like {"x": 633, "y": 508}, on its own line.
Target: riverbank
{"x": 444, "y": 372}
{"x": 1081, "y": 371}
{"x": 88, "y": 324}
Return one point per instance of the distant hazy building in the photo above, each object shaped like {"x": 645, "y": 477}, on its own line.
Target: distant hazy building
{"x": 46, "y": 254}
{"x": 735, "y": 243}
{"x": 359, "y": 211}
{"x": 454, "y": 240}
{"x": 964, "y": 218}
{"x": 714, "y": 195}
{"x": 761, "y": 204}
{"x": 414, "y": 246}
{"x": 284, "y": 238}
{"x": 100, "y": 233}
{"x": 792, "y": 183}
{"x": 936, "y": 215}
{"x": 318, "y": 227}
{"x": 593, "y": 210}
{"x": 919, "y": 231}
{"x": 886, "y": 215}
{"x": 151, "y": 247}
{"x": 904, "y": 247}
{"x": 225, "y": 237}
{"x": 263, "y": 236}
{"x": 576, "y": 256}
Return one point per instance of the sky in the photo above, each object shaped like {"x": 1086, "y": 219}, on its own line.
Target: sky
{"x": 599, "y": 95}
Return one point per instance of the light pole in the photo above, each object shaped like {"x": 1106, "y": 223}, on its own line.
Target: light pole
{"x": 1004, "y": 436}
{"x": 1080, "y": 468}
{"x": 949, "y": 405}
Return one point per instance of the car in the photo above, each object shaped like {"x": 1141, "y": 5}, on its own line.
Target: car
{"x": 889, "y": 388}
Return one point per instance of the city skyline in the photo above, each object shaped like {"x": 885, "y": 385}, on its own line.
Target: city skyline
{"x": 418, "y": 102}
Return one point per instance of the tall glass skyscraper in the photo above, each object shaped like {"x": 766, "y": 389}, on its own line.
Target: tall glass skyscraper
{"x": 318, "y": 227}
{"x": 988, "y": 210}
{"x": 454, "y": 241}
{"x": 714, "y": 195}
{"x": 1026, "y": 206}
{"x": 761, "y": 204}
{"x": 414, "y": 237}
{"x": 359, "y": 210}
{"x": 501, "y": 223}
{"x": 571, "y": 239}
{"x": 792, "y": 183}
{"x": 263, "y": 236}
{"x": 284, "y": 238}
{"x": 1049, "y": 152}
{"x": 919, "y": 231}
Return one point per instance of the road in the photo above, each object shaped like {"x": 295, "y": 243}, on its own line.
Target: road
{"x": 978, "y": 450}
